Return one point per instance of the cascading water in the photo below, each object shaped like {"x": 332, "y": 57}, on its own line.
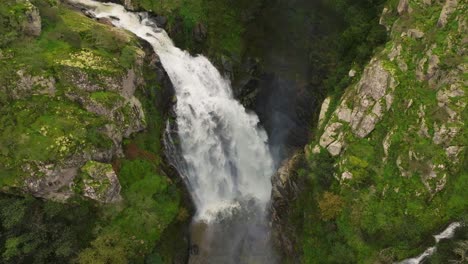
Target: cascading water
{"x": 224, "y": 156}
{"x": 446, "y": 234}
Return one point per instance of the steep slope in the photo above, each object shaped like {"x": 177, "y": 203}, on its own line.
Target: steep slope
{"x": 388, "y": 167}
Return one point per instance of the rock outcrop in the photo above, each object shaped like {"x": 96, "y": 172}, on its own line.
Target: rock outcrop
{"x": 387, "y": 92}
{"x": 83, "y": 110}
{"x": 285, "y": 191}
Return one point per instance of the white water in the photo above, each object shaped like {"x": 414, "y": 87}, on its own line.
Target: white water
{"x": 226, "y": 155}
{"x": 446, "y": 234}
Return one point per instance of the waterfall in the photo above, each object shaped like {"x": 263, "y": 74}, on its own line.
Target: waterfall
{"x": 446, "y": 234}
{"x": 224, "y": 156}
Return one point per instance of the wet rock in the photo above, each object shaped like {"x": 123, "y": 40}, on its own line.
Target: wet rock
{"x": 128, "y": 4}
{"x": 161, "y": 21}
{"x": 285, "y": 191}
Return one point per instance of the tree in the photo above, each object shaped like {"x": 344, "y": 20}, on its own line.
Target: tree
{"x": 330, "y": 206}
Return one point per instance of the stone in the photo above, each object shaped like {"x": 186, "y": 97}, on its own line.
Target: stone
{"x": 335, "y": 148}
{"x": 384, "y": 21}
{"x": 161, "y": 21}
{"x": 330, "y": 133}
{"x": 403, "y": 7}
{"x": 366, "y": 126}
{"x": 447, "y": 9}
{"x": 387, "y": 142}
{"x": 323, "y": 110}
{"x": 316, "y": 149}
{"x": 49, "y": 181}
{"x": 346, "y": 175}
{"x": 344, "y": 114}
{"x": 453, "y": 152}
{"x": 27, "y": 85}
{"x": 100, "y": 182}
{"x": 395, "y": 52}
{"x": 433, "y": 66}
{"x": 32, "y": 25}
{"x": 415, "y": 33}
{"x": 352, "y": 73}
{"x": 374, "y": 81}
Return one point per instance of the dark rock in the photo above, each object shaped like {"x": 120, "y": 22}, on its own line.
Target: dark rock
{"x": 200, "y": 32}
{"x": 161, "y": 21}
{"x": 285, "y": 190}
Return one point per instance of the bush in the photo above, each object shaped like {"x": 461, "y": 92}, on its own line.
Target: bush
{"x": 330, "y": 206}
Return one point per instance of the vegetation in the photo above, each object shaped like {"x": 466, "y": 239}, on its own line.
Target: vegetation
{"x": 386, "y": 217}
{"x": 45, "y": 125}
{"x": 35, "y": 231}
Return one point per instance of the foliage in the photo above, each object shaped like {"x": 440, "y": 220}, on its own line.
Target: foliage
{"x": 35, "y": 231}
{"x": 330, "y": 206}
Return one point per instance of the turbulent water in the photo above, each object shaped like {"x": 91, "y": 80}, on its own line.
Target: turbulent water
{"x": 446, "y": 234}
{"x": 225, "y": 158}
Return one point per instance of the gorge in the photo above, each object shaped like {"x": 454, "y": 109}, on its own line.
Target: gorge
{"x": 224, "y": 154}
{"x": 219, "y": 131}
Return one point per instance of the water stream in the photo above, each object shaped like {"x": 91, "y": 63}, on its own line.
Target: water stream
{"x": 219, "y": 149}
{"x": 446, "y": 234}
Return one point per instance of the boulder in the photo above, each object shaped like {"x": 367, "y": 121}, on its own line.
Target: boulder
{"x": 99, "y": 182}
{"x": 161, "y": 21}
{"x": 415, "y": 33}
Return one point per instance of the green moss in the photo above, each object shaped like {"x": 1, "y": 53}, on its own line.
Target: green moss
{"x": 46, "y": 129}
{"x": 107, "y": 99}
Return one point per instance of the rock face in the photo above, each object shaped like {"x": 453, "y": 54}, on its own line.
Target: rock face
{"x": 370, "y": 99}
{"x": 285, "y": 191}
{"x": 401, "y": 125}
{"x": 369, "y": 102}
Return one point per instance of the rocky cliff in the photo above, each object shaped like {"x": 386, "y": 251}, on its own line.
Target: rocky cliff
{"x": 387, "y": 167}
